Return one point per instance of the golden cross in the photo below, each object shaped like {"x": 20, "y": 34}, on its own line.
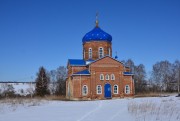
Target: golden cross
{"x": 97, "y": 22}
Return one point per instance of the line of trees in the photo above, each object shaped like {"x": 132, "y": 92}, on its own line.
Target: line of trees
{"x": 164, "y": 76}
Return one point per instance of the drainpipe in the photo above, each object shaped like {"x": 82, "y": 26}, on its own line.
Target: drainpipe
{"x": 133, "y": 86}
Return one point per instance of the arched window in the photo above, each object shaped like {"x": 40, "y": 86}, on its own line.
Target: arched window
{"x": 101, "y": 77}
{"x": 109, "y": 52}
{"x": 84, "y": 90}
{"x": 127, "y": 89}
{"x": 115, "y": 89}
{"x": 99, "y": 89}
{"x": 90, "y": 53}
{"x": 101, "y": 52}
{"x": 112, "y": 77}
{"x": 107, "y": 77}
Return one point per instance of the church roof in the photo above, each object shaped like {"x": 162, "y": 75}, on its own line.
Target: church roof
{"x": 128, "y": 73}
{"x": 77, "y": 62}
{"x": 97, "y": 34}
{"x": 84, "y": 72}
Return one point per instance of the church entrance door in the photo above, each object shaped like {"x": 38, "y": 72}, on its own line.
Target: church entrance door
{"x": 107, "y": 90}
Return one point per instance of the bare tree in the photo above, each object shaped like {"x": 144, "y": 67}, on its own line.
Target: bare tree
{"x": 163, "y": 74}
{"x": 130, "y": 63}
{"x": 58, "y": 77}
{"x": 177, "y": 74}
{"x": 7, "y": 90}
{"x": 139, "y": 75}
{"x": 61, "y": 83}
{"x": 52, "y": 75}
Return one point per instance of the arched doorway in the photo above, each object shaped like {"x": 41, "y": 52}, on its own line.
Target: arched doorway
{"x": 107, "y": 90}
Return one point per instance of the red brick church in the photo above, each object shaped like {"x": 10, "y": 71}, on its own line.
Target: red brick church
{"x": 98, "y": 75}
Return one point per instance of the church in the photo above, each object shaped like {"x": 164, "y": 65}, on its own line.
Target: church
{"x": 98, "y": 75}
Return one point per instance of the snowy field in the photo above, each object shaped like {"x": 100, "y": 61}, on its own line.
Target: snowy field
{"x": 137, "y": 109}
{"x": 19, "y": 88}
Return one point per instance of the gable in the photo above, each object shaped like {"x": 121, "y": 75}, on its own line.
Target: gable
{"x": 107, "y": 62}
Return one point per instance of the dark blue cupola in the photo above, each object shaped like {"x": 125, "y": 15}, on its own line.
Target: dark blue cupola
{"x": 96, "y": 43}
{"x": 97, "y": 34}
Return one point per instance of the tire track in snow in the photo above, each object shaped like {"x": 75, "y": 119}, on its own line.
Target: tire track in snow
{"x": 89, "y": 113}
{"x": 118, "y": 113}
{"x": 114, "y": 116}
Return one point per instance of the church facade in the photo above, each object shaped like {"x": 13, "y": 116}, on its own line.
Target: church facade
{"x": 98, "y": 75}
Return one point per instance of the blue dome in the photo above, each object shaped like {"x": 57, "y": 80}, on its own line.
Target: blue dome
{"x": 97, "y": 34}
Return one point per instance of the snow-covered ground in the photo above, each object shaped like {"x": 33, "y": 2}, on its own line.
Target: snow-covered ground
{"x": 137, "y": 109}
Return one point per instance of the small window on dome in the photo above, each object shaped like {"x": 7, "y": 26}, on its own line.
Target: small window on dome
{"x": 101, "y": 53}
{"x": 90, "y": 53}
{"x": 109, "y": 52}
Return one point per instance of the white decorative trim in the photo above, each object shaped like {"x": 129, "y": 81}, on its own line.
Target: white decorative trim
{"x": 112, "y": 77}
{"x": 116, "y": 90}
{"x": 102, "y": 52}
{"x": 98, "y": 90}
{"x": 101, "y": 75}
{"x": 83, "y": 90}
{"x": 109, "y": 51}
{"x": 107, "y": 77}
{"x": 90, "y": 53}
{"x": 127, "y": 88}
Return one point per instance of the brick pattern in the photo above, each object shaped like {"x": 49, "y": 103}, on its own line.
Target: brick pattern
{"x": 95, "y": 45}
{"x": 103, "y": 66}
{"x": 75, "y": 69}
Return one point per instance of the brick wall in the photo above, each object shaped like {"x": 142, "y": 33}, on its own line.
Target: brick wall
{"x": 95, "y": 45}
{"x": 107, "y": 66}
{"x": 75, "y": 69}
{"x": 103, "y": 66}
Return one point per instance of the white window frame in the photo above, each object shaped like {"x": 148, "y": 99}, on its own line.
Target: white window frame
{"x": 107, "y": 76}
{"x": 101, "y": 77}
{"x": 127, "y": 89}
{"x": 90, "y": 53}
{"x": 101, "y": 54}
{"x": 112, "y": 77}
{"x": 115, "y": 91}
{"x": 97, "y": 89}
{"x": 83, "y": 91}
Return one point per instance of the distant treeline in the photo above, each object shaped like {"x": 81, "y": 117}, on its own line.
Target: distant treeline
{"x": 165, "y": 76}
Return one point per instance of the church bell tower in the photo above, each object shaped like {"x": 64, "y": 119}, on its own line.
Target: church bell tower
{"x": 96, "y": 43}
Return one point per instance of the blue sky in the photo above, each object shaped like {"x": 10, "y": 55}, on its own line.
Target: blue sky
{"x": 47, "y": 33}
